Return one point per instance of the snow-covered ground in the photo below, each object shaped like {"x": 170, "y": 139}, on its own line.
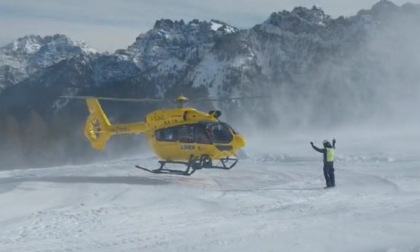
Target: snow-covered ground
{"x": 268, "y": 202}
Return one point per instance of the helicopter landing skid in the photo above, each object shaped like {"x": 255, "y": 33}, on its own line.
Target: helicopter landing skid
{"x": 163, "y": 170}
{"x": 193, "y": 164}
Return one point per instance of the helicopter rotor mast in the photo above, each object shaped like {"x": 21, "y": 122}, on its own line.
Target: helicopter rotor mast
{"x": 180, "y": 101}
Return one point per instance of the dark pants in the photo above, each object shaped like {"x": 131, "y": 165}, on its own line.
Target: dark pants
{"x": 329, "y": 174}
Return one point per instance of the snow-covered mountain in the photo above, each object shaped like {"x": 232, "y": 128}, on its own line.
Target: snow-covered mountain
{"x": 306, "y": 59}
{"x": 172, "y": 50}
{"x": 27, "y": 55}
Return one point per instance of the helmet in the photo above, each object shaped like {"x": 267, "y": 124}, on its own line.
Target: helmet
{"x": 326, "y": 143}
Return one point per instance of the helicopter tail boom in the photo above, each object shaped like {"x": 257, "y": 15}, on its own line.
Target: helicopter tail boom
{"x": 98, "y": 128}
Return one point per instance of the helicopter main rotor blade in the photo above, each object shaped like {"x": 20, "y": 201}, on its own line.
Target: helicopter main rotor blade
{"x": 231, "y": 98}
{"x": 114, "y": 98}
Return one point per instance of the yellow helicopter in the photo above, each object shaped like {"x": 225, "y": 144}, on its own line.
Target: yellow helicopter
{"x": 181, "y": 135}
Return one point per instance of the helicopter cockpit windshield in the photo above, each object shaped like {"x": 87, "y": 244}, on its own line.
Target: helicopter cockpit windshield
{"x": 218, "y": 132}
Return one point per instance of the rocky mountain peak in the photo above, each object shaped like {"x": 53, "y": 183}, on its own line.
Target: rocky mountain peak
{"x": 33, "y": 44}
{"x": 27, "y": 55}
{"x": 411, "y": 6}
{"x": 315, "y": 15}
{"x": 171, "y": 38}
{"x": 299, "y": 20}
{"x": 217, "y": 25}
{"x": 384, "y": 5}
{"x": 26, "y": 45}
{"x": 381, "y": 10}
{"x": 167, "y": 24}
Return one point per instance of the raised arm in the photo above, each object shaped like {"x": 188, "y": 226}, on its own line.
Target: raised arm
{"x": 333, "y": 143}
{"x": 316, "y": 148}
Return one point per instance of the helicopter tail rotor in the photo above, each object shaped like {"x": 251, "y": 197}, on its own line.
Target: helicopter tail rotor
{"x": 97, "y": 127}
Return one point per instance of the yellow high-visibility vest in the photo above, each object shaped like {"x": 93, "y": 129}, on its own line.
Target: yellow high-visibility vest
{"x": 330, "y": 155}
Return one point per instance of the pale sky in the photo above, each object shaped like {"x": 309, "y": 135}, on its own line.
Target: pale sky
{"x": 109, "y": 25}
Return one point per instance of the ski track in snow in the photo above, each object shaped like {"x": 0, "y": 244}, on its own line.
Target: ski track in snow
{"x": 256, "y": 206}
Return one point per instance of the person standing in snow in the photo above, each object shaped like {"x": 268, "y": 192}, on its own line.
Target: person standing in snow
{"x": 328, "y": 152}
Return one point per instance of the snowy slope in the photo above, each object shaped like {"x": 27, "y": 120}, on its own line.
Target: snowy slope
{"x": 263, "y": 204}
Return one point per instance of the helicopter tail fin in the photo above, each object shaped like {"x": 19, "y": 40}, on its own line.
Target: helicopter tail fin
{"x": 97, "y": 127}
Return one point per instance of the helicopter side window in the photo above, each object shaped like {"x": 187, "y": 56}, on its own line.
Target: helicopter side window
{"x": 167, "y": 135}
{"x": 186, "y": 134}
{"x": 201, "y": 136}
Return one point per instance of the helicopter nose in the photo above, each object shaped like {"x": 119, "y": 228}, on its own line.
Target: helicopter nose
{"x": 240, "y": 141}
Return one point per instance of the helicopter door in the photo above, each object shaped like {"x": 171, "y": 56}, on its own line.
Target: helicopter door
{"x": 201, "y": 136}
{"x": 186, "y": 134}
